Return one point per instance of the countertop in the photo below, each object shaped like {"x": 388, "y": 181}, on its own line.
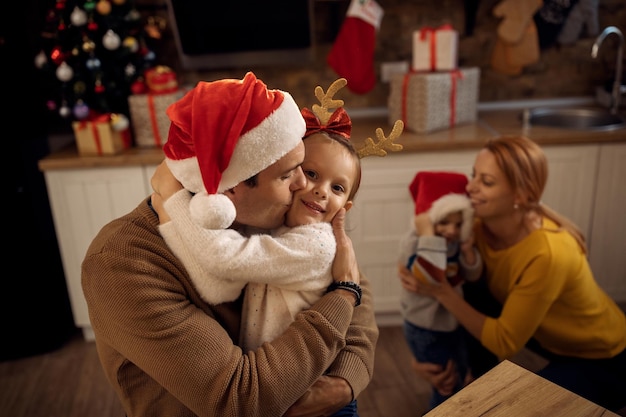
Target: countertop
{"x": 490, "y": 123}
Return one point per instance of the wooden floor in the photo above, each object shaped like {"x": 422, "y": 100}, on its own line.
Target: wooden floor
{"x": 69, "y": 382}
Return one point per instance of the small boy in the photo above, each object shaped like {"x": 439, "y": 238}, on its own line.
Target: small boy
{"x": 438, "y": 247}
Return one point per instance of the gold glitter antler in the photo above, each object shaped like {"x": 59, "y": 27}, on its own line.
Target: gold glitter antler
{"x": 326, "y": 100}
{"x": 384, "y": 144}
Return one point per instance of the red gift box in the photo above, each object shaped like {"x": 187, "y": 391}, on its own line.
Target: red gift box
{"x": 161, "y": 80}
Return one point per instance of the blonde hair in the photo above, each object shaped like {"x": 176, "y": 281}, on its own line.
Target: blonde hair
{"x": 525, "y": 167}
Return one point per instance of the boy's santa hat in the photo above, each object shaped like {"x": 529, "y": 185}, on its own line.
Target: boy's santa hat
{"x": 224, "y": 132}
{"x": 442, "y": 193}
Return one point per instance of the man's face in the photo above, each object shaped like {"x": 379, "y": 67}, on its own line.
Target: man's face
{"x": 265, "y": 205}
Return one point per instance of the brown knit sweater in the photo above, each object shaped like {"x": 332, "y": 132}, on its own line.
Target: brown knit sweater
{"x": 167, "y": 353}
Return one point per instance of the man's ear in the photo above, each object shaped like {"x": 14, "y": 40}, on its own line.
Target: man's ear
{"x": 348, "y": 205}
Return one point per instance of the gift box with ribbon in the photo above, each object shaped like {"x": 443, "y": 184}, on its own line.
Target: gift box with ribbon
{"x": 429, "y": 101}
{"x": 161, "y": 80}
{"x": 435, "y": 49}
{"x": 148, "y": 118}
{"x": 100, "y": 134}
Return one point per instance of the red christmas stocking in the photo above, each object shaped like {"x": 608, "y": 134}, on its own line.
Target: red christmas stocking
{"x": 352, "y": 54}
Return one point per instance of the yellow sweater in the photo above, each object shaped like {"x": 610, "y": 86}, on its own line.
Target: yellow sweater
{"x": 548, "y": 292}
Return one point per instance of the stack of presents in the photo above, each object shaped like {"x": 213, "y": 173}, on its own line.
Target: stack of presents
{"x": 109, "y": 134}
{"x": 435, "y": 94}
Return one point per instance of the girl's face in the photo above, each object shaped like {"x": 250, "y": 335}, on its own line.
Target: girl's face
{"x": 491, "y": 194}
{"x": 450, "y": 227}
{"x": 330, "y": 171}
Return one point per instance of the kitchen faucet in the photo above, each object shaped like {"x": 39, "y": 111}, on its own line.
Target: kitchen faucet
{"x": 617, "y": 83}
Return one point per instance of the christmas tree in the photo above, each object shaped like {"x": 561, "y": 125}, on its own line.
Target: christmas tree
{"x": 93, "y": 56}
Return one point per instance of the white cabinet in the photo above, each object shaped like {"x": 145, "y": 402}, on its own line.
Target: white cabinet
{"x": 383, "y": 207}
{"x": 82, "y": 201}
{"x": 585, "y": 183}
{"x": 608, "y": 232}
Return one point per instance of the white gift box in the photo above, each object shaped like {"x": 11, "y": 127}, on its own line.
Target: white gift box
{"x": 435, "y": 49}
{"x": 429, "y": 101}
{"x": 149, "y": 120}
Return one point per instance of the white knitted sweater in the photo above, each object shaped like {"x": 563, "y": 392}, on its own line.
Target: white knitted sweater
{"x": 285, "y": 272}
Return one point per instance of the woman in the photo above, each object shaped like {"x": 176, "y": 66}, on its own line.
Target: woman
{"x": 537, "y": 272}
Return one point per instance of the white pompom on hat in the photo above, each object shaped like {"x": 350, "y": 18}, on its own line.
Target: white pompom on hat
{"x": 442, "y": 193}
{"x": 224, "y": 132}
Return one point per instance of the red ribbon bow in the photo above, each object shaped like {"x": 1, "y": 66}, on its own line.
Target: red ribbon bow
{"x": 339, "y": 123}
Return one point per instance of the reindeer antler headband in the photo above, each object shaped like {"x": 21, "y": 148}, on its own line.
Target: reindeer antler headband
{"x": 321, "y": 119}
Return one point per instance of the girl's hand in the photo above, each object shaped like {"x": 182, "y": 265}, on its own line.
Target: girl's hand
{"x": 345, "y": 267}
{"x": 163, "y": 182}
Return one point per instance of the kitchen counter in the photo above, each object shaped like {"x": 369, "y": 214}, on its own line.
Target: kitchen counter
{"x": 87, "y": 192}
{"x": 490, "y": 123}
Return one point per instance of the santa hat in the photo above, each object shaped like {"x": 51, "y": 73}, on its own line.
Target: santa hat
{"x": 442, "y": 193}
{"x": 224, "y": 132}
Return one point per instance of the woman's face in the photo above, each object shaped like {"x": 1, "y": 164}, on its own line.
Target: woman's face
{"x": 490, "y": 193}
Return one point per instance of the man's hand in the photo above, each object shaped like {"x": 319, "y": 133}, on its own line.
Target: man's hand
{"x": 443, "y": 380}
{"x": 325, "y": 397}
{"x": 345, "y": 267}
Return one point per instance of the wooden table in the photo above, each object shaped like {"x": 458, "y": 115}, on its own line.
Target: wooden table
{"x": 509, "y": 390}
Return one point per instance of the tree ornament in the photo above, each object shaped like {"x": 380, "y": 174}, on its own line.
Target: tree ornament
{"x": 99, "y": 87}
{"x": 81, "y": 110}
{"x": 51, "y": 105}
{"x": 64, "y": 72}
{"x": 131, "y": 43}
{"x": 88, "y": 45}
{"x": 103, "y": 7}
{"x": 57, "y": 56}
{"x": 61, "y": 26}
{"x": 150, "y": 56}
{"x": 119, "y": 122}
{"x": 119, "y": 2}
{"x": 130, "y": 70}
{"x": 41, "y": 60}
{"x": 93, "y": 63}
{"x": 155, "y": 26}
{"x": 78, "y": 17}
{"x": 133, "y": 16}
{"x": 60, "y": 5}
{"x": 65, "y": 111}
{"x": 79, "y": 88}
{"x": 139, "y": 86}
{"x": 111, "y": 40}
{"x": 92, "y": 26}
{"x": 89, "y": 5}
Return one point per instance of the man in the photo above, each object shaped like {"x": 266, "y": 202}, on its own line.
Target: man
{"x": 165, "y": 351}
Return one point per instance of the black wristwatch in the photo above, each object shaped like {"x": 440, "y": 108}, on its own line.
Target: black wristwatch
{"x": 348, "y": 286}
